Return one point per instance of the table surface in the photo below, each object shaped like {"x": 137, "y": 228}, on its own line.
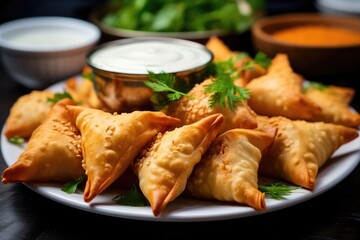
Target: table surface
{"x": 24, "y": 214}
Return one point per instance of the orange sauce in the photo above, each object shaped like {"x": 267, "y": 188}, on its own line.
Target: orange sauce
{"x": 319, "y": 35}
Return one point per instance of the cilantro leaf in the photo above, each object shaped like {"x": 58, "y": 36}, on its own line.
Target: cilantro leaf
{"x": 262, "y": 59}
{"x": 225, "y": 92}
{"x": 223, "y": 89}
{"x": 131, "y": 197}
{"x": 165, "y": 87}
{"x": 72, "y": 186}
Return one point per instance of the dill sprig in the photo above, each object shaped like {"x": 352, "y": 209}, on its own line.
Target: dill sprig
{"x": 277, "y": 190}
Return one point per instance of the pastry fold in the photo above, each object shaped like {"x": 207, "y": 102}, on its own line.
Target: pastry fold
{"x": 53, "y": 152}
{"x": 110, "y": 142}
{"x": 27, "y": 113}
{"x": 165, "y": 165}
{"x": 279, "y": 93}
{"x": 229, "y": 169}
{"x": 190, "y": 110}
{"x": 300, "y": 148}
{"x": 334, "y": 101}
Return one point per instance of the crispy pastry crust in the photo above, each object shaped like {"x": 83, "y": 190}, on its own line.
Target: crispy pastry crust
{"x": 110, "y": 142}
{"x": 164, "y": 167}
{"x": 53, "y": 153}
{"x": 229, "y": 170}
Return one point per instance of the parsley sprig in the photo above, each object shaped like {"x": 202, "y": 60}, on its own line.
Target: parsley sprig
{"x": 166, "y": 88}
{"x": 72, "y": 186}
{"x": 277, "y": 190}
{"x": 225, "y": 93}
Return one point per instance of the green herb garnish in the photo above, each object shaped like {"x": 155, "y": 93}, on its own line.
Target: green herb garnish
{"x": 315, "y": 85}
{"x": 277, "y": 190}
{"x": 225, "y": 92}
{"x": 72, "y": 186}
{"x": 223, "y": 89}
{"x": 58, "y": 96}
{"x": 165, "y": 87}
{"x": 260, "y": 59}
{"x": 88, "y": 76}
{"x": 17, "y": 140}
{"x": 131, "y": 197}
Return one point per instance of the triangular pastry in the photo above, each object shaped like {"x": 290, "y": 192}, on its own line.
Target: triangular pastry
{"x": 229, "y": 169}
{"x": 301, "y": 148}
{"x": 110, "y": 142}
{"x": 53, "y": 152}
{"x": 334, "y": 101}
{"x": 27, "y": 113}
{"x": 83, "y": 92}
{"x": 279, "y": 93}
{"x": 165, "y": 165}
{"x": 190, "y": 110}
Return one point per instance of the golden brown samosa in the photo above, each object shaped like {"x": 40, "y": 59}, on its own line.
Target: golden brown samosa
{"x": 334, "y": 101}
{"x": 300, "y": 148}
{"x": 53, "y": 153}
{"x": 279, "y": 93}
{"x": 229, "y": 169}
{"x": 164, "y": 167}
{"x": 219, "y": 49}
{"x": 190, "y": 110}
{"x": 27, "y": 113}
{"x": 83, "y": 92}
{"x": 110, "y": 142}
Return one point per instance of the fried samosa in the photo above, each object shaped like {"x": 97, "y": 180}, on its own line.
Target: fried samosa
{"x": 219, "y": 49}
{"x": 229, "y": 169}
{"x": 53, "y": 152}
{"x": 334, "y": 101}
{"x": 190, "y": 110}
{"x": 110, "y": 142}
{"x": 279, "y": 93}
{"x": 164, "y": 167}
{"x": 27, "y": 113}
{"x": 300, "y": 148}
{"x": 83, "y": 92}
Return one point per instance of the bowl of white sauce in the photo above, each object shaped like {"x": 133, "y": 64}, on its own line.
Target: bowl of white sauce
{"x": 39, "y": 51}
{"x": 120, "y": 68}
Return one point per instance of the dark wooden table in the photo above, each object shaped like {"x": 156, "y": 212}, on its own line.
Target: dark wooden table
{"x": 24, "y": 214}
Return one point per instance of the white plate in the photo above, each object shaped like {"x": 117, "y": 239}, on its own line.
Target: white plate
{"x": 341, "y": 164}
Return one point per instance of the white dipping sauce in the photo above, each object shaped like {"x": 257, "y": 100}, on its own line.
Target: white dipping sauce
{"x": 47, "y": 37}
{"x": 139, "y": 57}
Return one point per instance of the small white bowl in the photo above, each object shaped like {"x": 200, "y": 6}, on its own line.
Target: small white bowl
{"x": 40, "y": 51}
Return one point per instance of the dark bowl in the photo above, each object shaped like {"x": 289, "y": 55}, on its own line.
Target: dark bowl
{"x": 309, "y": 61}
